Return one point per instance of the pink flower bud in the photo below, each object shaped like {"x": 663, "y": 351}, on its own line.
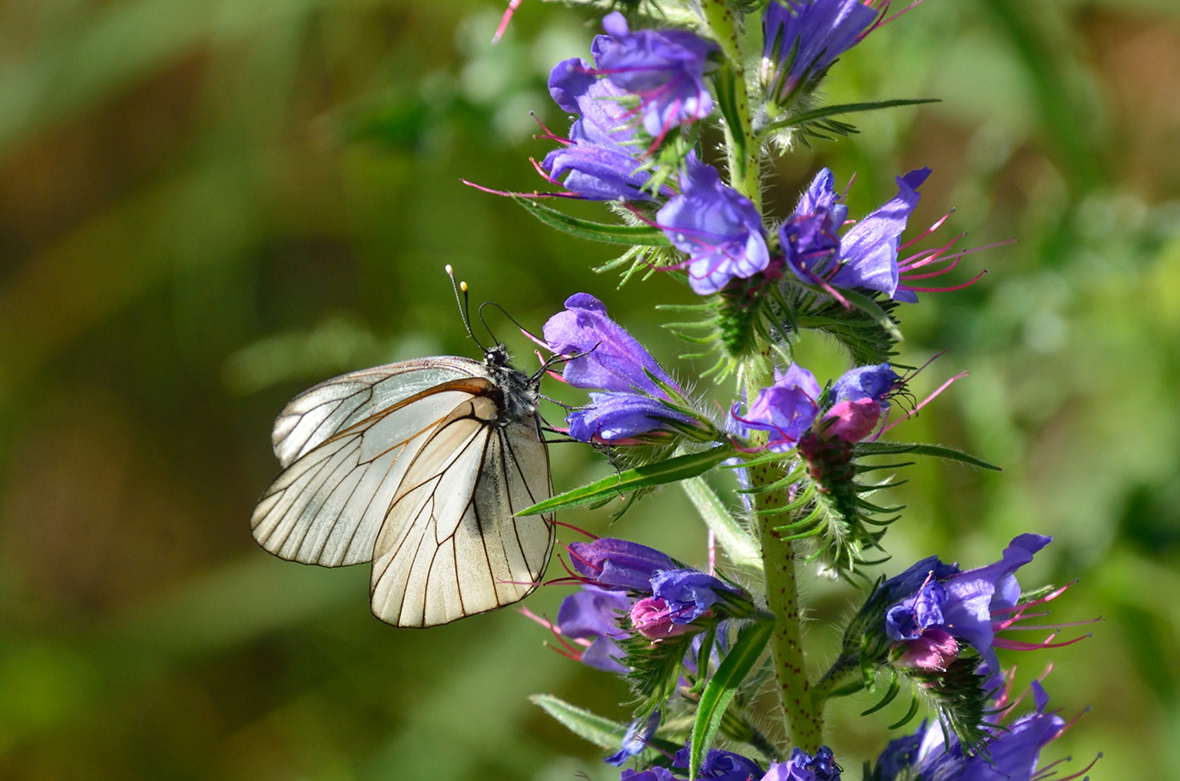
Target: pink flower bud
{"x": 852, "y": 421}
{"x": 652, "y": 618}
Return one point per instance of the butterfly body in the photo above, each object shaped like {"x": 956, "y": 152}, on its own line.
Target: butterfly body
{"x": 419, "y": 467}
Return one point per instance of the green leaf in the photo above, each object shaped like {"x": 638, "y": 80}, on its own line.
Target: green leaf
{"x": 598, "y": 730}
{"x": 737, "y": 543}
{"x": 937, "y": 451}
{"x": 648, "y": 476}
{"x": 814, "y": 115}
{"x": 723, "y": 686}
{"x": 644, "y": 235}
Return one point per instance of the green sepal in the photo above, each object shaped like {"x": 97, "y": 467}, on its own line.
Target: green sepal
{"x": 751, "y": 641}
{"x": 642, "y": 235}
{"x": 936, "y": 451}
{"x": 654, "y": 669}
{"x": 739, "y": 545}
{"x": 649, "y": 476}
{"x": 815, "y": 115}
{"x": 599, "y": 730}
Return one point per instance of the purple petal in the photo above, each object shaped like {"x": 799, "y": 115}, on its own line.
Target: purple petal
{"x": 868, "y": 251}
{"x": 618, "y": 416}
{"x": 618, "y": 564}
{"x": 717, "y": 226}
{"x": 592, "y": 612}
{"x": 613, "y": 360}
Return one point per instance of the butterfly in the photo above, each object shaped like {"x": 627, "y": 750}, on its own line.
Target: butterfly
{"x": 419, "y": 467}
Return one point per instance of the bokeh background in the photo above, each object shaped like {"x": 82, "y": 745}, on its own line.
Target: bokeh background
{"x": 209, "y": 205}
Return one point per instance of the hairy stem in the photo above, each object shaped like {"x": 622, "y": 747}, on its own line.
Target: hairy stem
{"x": 803, "y": 718}
{"x": 740, "y": 142}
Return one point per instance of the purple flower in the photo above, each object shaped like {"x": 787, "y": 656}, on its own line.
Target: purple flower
{"x": 802, "y": 38}
{"x": 665, "y": 68}
{"x": 593, "y": 614}
{"x": 866, "y": 256}
{"x": 610, "y": 359}
{"x": 717, "y": 226}
{"x": 967, "y": 606}
{"x": 805, "y": 767}
{"x": 721, "y": 765}
{"x": 618, "y": 565}
{"x": 786, "y": 409}
{"x": 1010, "y": 753}
{"x": 635, "y": 740}
{"x": 601, "y": 160}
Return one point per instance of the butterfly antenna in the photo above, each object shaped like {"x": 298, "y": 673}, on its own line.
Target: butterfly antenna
{"x": 464, "y": 306}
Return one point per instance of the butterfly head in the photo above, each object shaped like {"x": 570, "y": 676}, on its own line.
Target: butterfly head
{"x": 520, "y": 392}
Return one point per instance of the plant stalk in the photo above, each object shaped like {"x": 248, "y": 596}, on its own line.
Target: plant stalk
{"x": 743, "y": 154}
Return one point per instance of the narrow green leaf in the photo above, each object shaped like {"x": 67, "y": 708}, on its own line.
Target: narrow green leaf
{"x": 598, "y": 730}
{"x": 644, "y": 235}
{"x": 845, "y": 108}
{"x": 873, "y": 310}
{"x": 737, "y": 543}
{"x": 649, "y": 476}
{"x": 723, "y": 686}
{"x": 936, "y": 451}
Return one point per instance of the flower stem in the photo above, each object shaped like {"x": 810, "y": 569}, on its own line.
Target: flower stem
{"x": 740, "y": 142}
{"x": 803, "y": 715}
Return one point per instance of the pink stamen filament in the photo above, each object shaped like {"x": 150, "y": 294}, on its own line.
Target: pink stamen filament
{"x": 937, "y": 224}
{"x": 927, "y": 400}
{"x": 951, "y": 289}
{"x": 504, "y": 20}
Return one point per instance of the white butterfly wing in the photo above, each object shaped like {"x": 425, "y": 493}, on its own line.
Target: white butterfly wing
{"x": 451, "y": 545}
{"x": 346, "y": 445}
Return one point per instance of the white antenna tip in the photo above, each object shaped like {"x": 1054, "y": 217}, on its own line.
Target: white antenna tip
{"x": 449, "y": 269}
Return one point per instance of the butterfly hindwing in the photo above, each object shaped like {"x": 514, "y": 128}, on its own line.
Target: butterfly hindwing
{"x": 451, "y": 546}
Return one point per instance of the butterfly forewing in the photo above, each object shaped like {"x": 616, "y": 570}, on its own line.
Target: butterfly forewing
{"x": 451, "y": 545}
{"x": 333, "y": 406}
{"x": 346, "y": 444}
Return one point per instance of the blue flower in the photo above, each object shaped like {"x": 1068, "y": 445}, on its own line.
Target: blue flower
{"x": 717, "y": 226}
{"x": 688, "y": 592}
{"x": 802, "y": 38}
{"x": 866, "y": 256}
{"x": 654, "y": 774}
{"x": 601, "y": 160}
{"x": 939, "y": 602}
{"x": 593, "y": 614}
{"x": 866, "y": 382}
{"x": 665, "y": 68}
{"x": 635, "y": 739}
{"x": 786, "y": 409}
{"x": 1010, "y": 753}
{"x": 860, "y": 400}
{"x": 610, "y": 359}
{"x": 805, "y": 767}
{"x": 721, "y": 765}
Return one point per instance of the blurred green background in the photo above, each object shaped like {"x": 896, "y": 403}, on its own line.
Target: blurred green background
{"x": 208, "y": 205}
